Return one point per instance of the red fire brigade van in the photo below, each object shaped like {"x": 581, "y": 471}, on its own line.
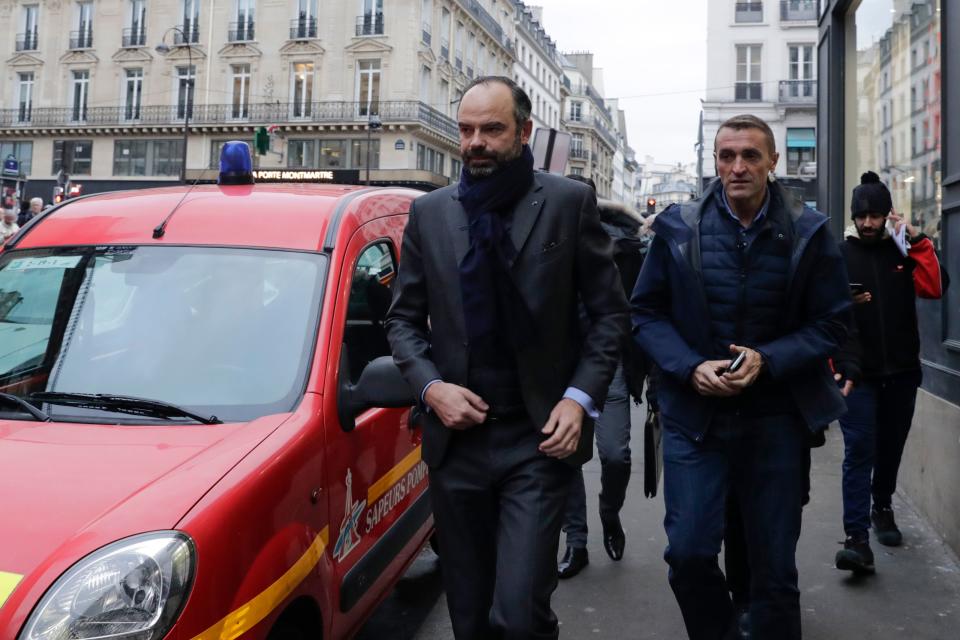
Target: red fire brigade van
{"x": 195, "y": 439}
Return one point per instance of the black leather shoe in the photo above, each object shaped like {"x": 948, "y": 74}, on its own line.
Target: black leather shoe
{"x": 572, "y": 563}
{"x": 856, "y": 556}
{"x": 614, "y": 540}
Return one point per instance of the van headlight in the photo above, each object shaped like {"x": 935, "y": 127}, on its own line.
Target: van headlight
{"x": 132, "y": 589}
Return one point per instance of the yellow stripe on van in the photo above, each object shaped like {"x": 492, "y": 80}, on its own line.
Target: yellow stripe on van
{"x": 8, "y": 582}
{"x": 241, "y": 620}
{"x": 393, "y": 476}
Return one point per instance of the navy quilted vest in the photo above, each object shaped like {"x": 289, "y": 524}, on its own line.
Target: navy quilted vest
{"x": 746, "y": 290}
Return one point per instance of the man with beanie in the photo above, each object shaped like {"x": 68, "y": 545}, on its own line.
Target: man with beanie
{"x": 879, "y": 367}
{"x": 485, "y": 326}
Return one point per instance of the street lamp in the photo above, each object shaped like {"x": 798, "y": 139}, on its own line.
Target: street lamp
{"x": 163, "y": 49}
{"x": 373, "y": 123}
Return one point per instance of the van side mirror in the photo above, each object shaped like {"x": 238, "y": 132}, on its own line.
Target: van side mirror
{"x": 380, "y": 385}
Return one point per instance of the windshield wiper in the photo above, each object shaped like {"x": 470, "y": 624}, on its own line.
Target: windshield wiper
{"x": 121, "y": 404}
{"x": 38, "y": 414}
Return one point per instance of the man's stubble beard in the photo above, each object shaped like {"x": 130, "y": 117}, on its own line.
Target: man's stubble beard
{"x": 498, "y": 160}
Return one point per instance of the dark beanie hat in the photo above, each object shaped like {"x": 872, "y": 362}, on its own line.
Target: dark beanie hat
{"x": 870, "y": 196}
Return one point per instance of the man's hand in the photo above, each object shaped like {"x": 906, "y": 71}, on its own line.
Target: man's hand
{"x": 708, "y": 382}
{"x": 456, "y": 406}
{"x": 747, "y": 374}
{"x": 862, "y": 298}
{"x": 899, "y": 222}
{"x": 563, "y": 426}
{"x": 847, "y": 385}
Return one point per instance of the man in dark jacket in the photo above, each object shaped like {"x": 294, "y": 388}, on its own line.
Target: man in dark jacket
{"x": 744, "y": 269}
{"x": 880, "y": 365}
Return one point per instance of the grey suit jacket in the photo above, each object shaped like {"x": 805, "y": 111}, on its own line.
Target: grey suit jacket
{"x": 563, "y": 257}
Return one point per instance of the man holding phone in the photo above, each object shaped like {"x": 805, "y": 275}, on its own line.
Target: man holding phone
{"x": 747, "y": 273}
{"x": 879, "y": 367}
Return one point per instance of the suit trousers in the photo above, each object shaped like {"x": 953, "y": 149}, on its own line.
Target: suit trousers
{"x": 498, "y": 504}
{"x": 762, "y": 461}
{"x": 612, "y": 431}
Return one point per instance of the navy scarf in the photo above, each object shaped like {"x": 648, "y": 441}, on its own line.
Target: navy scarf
{"x": 492, "y": 306}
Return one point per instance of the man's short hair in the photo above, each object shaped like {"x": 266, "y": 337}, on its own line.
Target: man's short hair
{"x": 40, "y": 200}
{"x": 748, "y": 121}
{"x": 522, "y": 107}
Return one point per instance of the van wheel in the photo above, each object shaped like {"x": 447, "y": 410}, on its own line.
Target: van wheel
{"x": 435, "y": 543}
{"x": 286, "y": 632}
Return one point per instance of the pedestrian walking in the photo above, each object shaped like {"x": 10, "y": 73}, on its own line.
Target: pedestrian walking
{"x": 8, "y": 226}
{"x": 36, "y": 206}
{"x": 612, "y": 429}
{"x": 741, "y": 300}
{"x": 879, "y": 366}
{"x": 485, "y": 326}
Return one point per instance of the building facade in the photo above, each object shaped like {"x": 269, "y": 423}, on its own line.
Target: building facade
{"x": 537, "y": 68}
{"x": 886, "y": 81}
{"x": 86, "y": 89}
{"x": 665, "y": 183}
{"x": 761, "y": 60}
{"x": 623, "y": 185}
{"x": 593, "y": 141}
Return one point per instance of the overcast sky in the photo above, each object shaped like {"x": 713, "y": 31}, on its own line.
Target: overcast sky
{"x": 653, "y": 56}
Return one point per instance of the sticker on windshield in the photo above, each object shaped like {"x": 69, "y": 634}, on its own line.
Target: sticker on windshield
{"x": 48, "y": 262}
{"x": 8, "y": 582}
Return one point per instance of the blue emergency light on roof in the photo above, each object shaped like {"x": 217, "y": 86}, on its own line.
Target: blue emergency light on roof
{"x": 236, "y": 166}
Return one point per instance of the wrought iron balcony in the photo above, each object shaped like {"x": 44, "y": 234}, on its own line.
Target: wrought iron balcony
{"x": 24, "y": 113}
{"x": 370, "y": 24}
{"x": 798, "y": 10}
{"x": 81, "y": 39}
{"x": 748, "y": 12}
{"x": 241, "y": 31}
{"x": 390, "y": 112}
{"x": 135, "y": 36}
{"x": 187, "y": 33}
{"x": 303, "y": 28}
{"x": 749, "y": 92}
{"x": 27, "y": 41}
{"x": 579, "y": 154}
{"x": 487, "y": 21}
{"x": 798, "y": 91}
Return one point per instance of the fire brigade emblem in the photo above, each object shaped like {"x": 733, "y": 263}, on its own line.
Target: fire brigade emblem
{"x": 349, "y": 535}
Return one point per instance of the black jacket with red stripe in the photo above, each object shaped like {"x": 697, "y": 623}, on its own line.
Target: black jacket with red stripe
{"x": 887, "y": 340}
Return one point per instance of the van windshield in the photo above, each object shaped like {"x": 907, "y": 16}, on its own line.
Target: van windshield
{"x": 221, "y": 331}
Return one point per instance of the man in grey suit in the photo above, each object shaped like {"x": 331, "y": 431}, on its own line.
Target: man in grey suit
{"x": 484, "y": 325}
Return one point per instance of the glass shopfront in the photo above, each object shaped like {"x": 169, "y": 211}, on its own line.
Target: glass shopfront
{"x": 893, "y": 105}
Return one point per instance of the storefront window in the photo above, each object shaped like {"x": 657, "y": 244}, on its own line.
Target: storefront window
{"x": 895, "y": 105}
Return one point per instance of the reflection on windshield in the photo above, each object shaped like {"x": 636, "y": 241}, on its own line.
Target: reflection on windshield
{"x": 221, "y": 331}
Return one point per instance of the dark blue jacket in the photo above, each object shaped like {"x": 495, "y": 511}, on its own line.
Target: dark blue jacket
{"x": 671, "y": 321}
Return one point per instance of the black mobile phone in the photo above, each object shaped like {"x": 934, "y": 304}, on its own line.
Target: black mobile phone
{"x": 737, "y": 363}
{"x": 857, "y": 288}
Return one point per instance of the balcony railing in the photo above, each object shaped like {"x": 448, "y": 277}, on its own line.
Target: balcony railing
{"x": 188, "y": 33}
{"x": 748, "y": 12}
{"x": 579, "y": 153}
{"x": 241, "y": 31}
{"x": 24, "y": 113}
{"x": 390, "y": 112}
{"x": 134, "y": 36}
{"x": 487, "y": 21}
{"x": 370, "y": 24}
{"x": 303, "y": 28}
{"x": 749, "y": 92}
{"x": 27, "y": 41}
{"x": 798, "y": 10}
{"x": 798, "y": 91}
{"x": 81, "y": 39}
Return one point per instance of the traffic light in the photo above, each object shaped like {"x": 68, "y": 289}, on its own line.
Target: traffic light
{"x": 651, "y": 206}
{"x": 261, "y": 141}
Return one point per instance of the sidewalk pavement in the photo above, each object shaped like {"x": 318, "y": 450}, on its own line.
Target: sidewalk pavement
{"x": 915, "y": 593}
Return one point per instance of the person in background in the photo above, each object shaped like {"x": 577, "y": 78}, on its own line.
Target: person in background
{"x": 9, "y": 225}
{"x": 36, "y": 206}
{"x": 879, "y": 367}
